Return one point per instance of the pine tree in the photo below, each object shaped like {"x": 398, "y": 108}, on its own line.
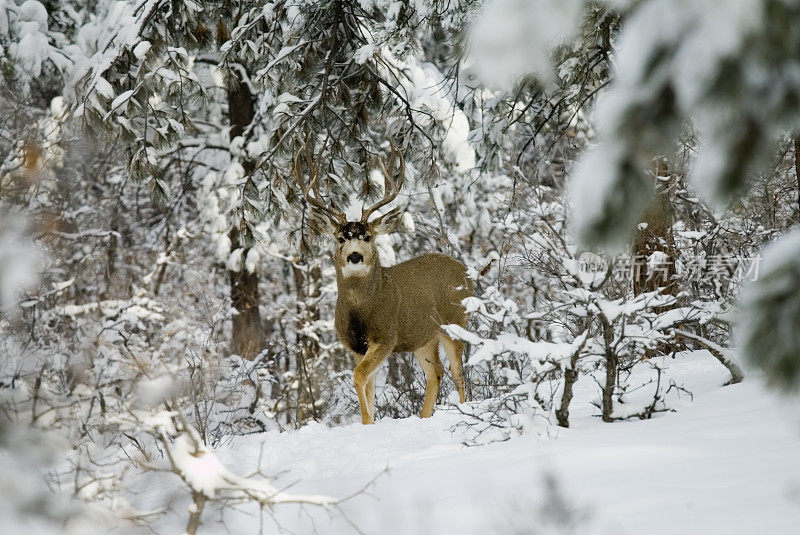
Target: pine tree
{"x": 336, "y": 77}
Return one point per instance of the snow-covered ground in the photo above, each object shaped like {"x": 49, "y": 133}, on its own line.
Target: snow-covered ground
{"x": 727, "y": 462}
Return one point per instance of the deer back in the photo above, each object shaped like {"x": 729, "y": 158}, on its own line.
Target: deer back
{"x": 429, "y": 291}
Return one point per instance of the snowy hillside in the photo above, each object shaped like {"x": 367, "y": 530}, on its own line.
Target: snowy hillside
{"x": 728, "y": 462}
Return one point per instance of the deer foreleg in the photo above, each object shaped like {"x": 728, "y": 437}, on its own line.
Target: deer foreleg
{"x": 370, "y": 392}
{"x": 364, "y": 379}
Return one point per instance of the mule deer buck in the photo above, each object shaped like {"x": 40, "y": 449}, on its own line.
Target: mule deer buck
{"x": 381, "y": 310}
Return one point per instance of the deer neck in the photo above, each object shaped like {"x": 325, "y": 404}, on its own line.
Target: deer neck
{"x": 360, "y": 291}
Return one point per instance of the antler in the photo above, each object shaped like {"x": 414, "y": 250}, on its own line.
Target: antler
{"x": 336, "y": 216}
{"x": 391, "y": 188}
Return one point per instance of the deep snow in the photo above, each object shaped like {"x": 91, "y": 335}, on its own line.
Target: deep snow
{"x": 727, "y": 462}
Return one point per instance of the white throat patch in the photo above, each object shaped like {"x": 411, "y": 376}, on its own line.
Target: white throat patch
{"x": 355, "y": 270}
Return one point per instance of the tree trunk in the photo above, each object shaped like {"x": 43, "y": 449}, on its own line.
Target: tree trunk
{"x": 654, "y": 234}
{"x": 247, "y": 337}
{"x": 612, "y": 364}
{"x": 247, "y": 334}
{"x": 307, "y": 289}
{"x": 195, "y": 513}
{"x": 570, "y": 378}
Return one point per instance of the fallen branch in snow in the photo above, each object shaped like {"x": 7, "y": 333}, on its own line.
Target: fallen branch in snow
{"x": 737, "y": 376}
{"x": 203, "y": 473}
{"x": 209, "y": 479}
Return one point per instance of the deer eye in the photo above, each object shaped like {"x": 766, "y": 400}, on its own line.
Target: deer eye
{"x": 367, "y": 238}
{"x": 341, "y": 240}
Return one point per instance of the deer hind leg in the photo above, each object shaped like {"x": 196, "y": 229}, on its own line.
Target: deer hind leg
{"x": 428, "y": 357}
{"x": 455, "y": 351}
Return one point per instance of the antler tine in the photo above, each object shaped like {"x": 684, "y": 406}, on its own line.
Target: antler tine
{"x": 391, "y": 187}
{"x": 331, "y": 213}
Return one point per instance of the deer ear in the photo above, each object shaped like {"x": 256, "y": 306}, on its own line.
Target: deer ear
{"x": 388, "y": 222}
{"x": 320, "y": 223}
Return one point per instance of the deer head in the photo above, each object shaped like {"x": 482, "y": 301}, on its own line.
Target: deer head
{"x": 355, "y": 254}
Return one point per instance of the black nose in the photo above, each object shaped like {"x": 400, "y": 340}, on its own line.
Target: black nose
{"x": 354, "y": 258}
